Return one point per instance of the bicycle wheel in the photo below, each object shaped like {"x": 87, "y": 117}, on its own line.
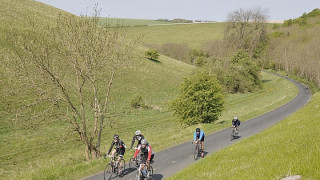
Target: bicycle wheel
{"x": 137, "y": 176}
{"x": 232, "y": 135}
{"x": 151, "y": 172}
{"x": 196, "y": 152}
{"x": 122, "y": 168}
{"x": 108, "y": 172}
{"x": 132, "y": 163}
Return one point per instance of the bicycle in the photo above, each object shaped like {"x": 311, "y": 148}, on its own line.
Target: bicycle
{"x": 143, "y": 173}
{"x": 134, "y": 163}
{"x": 197, "y": 151}
{"x": 112, "y": 168}
{"x": 234, "y": 133}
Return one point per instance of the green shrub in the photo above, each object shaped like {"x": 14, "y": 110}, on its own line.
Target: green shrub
{"x": 241, "y": 75}
{"x": 201, "y": 99}
{"x": 152, "y": 54}
{"x": 137, "y": 102}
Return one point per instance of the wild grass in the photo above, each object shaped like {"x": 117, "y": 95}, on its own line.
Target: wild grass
{"x": 193, "y": 35}
{"x": 290, "y": 147}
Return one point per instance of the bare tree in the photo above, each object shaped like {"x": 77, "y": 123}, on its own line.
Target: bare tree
{"x": 71, "y": 65}
{"x": 246, "y": 28}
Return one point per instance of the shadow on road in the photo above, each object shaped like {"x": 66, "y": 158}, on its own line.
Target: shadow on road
{"x": 236, "y": 137}
{"x": 157, "y": 176}
{"x": 127, "y": 171}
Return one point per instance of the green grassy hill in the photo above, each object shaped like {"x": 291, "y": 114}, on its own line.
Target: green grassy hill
{"x": 46, "y": 151}
{"x": 193, "y": 35}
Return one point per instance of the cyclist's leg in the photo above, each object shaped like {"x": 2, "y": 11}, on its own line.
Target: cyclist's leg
{"x": 202, "y": 144}
{"x": 121, "y": 153}
{"x": 113, "y": 152}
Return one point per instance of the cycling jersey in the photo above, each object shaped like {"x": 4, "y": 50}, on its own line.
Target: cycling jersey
{"x": 199, "y": 136}
{"x": 138, "y": 138}
{"x": 146, "y": 153}
{"x": 236, "y": 123}
{"x": 119, "y": 146}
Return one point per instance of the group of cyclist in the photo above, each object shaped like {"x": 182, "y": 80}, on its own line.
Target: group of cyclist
{"x": 198, "y": 135}
{"x": 145, "y": 149}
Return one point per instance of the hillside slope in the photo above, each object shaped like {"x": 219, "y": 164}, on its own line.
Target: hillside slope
{"x": 25, "y": 149}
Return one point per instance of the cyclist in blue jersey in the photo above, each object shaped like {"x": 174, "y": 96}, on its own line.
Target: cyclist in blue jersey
{"x": 199, "y": 137}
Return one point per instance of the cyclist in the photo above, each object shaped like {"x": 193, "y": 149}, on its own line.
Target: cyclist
{"x": 235, "y": 123}
{"x": 199, "y": 137}
{"x": 137, "y": 136}
{"x": 119, "y": 149}
{"x": 146, "y": 153}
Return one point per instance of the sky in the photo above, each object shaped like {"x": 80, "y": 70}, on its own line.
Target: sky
{"x": 210, "y": 10}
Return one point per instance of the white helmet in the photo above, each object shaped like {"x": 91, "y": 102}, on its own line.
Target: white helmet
{"x": 144, "y": 142}
{"x": 138, "y": 133}
{"x": 235, "y": 117}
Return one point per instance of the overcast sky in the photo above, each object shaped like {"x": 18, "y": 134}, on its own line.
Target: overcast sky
{"x": 216, "y": 10}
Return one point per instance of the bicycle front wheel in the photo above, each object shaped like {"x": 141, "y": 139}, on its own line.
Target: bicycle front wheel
{"x": 108, "y": 172}
{"x": 196, "y": 152}
{"x": 151, "y": 172}
{"x": 121, "y": 167}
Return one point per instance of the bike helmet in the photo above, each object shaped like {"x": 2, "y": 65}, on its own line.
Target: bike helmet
{"x": 235, "y": 118}
{"x": 116, "y": 136}
{"x": 144, "y": 142}
{"x": 138, "y": 133}
{"x": 198, "y": 130}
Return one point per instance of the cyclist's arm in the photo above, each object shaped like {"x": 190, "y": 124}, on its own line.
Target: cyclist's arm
{"x": 111, "y": 147}
{"x": 133, "y": 140}
{"x": 149, "y": 153}
{"x": 136, "y": 153}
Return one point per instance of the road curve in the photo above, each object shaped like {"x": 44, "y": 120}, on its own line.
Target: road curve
{"x": 172, "y": 160}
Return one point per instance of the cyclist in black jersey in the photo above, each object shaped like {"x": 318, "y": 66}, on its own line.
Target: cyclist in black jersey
{"x": 120, "y": 148}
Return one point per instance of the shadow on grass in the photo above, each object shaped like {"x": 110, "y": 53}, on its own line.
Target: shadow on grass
{"x": 154, "y": 60}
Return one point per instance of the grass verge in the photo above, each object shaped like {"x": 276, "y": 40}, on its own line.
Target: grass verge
{"x": 290, "y": 147}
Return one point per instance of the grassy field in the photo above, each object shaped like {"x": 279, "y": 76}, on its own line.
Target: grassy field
{"x": 194, "y": 35}
{"x": 52, "y": 151}
{"x": 290, "y": 147}
{"x": 131, "y": 22}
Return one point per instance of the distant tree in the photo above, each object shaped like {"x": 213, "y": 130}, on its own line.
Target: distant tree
{"x": 246, "y": 28}
{"x": 287, "y": 23}
{"x": 241, "y": 74}
{"x": 201, "y": 99}
{"x": 71, "y": 67}
{"x": 152, "y": 54}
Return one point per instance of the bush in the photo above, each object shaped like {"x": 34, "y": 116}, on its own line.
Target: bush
{"x": 241, "y": 75}
{"x": 201, "y": 99}
{"x": 137, "y": 102}
{"x": 152, "y": 54}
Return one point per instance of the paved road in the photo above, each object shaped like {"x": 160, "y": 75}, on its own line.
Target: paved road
{"x": 172, "y": 160}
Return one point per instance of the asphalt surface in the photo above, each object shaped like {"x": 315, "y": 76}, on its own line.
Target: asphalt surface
{"x": 172, "y": 160}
